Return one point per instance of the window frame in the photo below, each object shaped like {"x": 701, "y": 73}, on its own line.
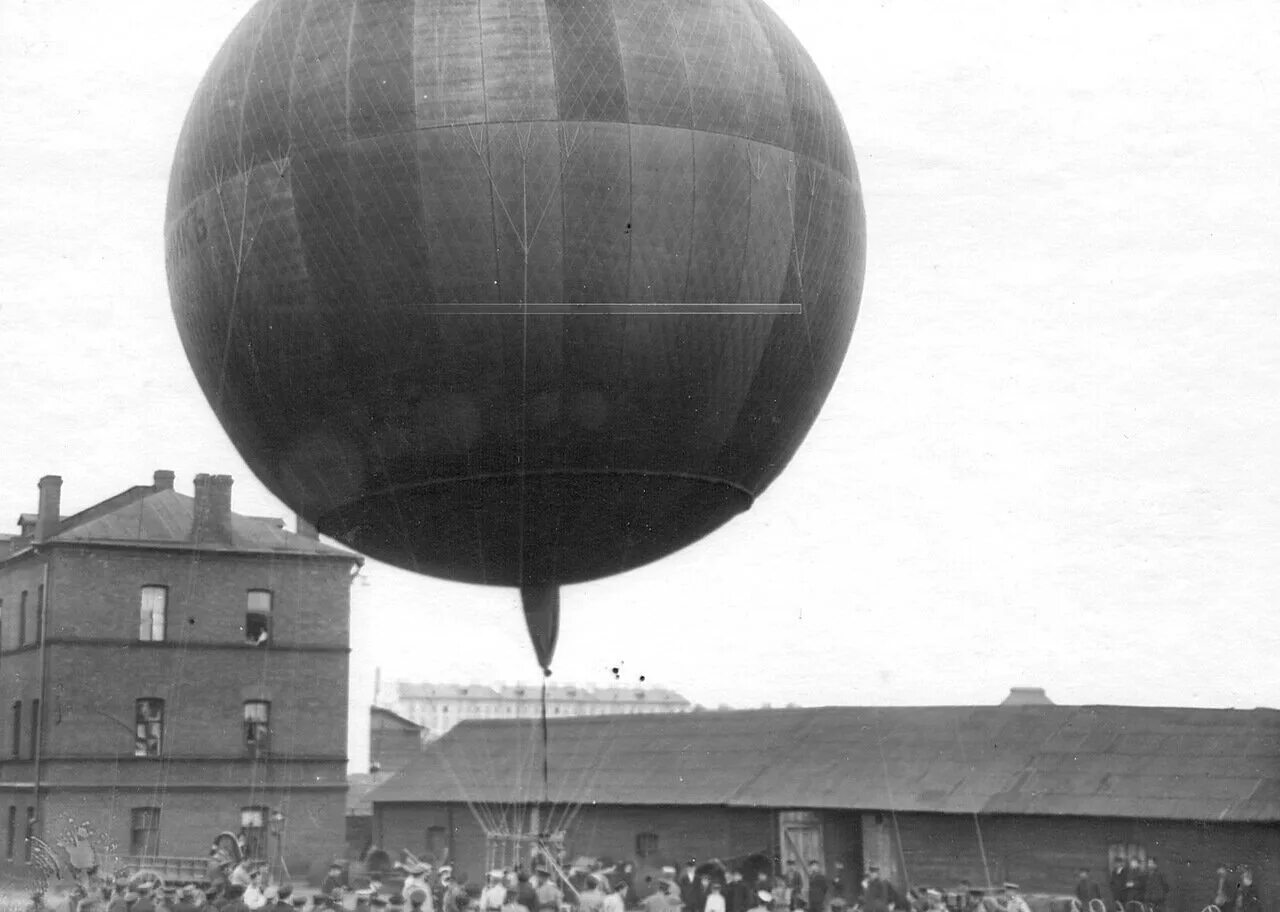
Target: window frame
{"x": 11, "y": 833}
{"x": 255, "y": 836}
{"x": 256, "y": 733}
{"x": 152, "y": 637}
{"x": 16, "y": 729}
{"x": 150, "y": 828}
{"x": 35, "y": 727}
{"x": 143, "y": 726}
{"x": 257, "y": 621}
{"x": 22, "y": 619}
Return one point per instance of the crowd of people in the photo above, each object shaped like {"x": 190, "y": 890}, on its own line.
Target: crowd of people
{"x": 1133, "y": 886}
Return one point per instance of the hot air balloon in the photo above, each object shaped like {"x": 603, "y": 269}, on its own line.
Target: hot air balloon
{"x": 516, "y": 292}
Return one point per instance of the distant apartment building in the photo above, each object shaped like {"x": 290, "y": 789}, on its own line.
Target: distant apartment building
{"x": 170, "y": 670}
{"x": 439, "y": 707}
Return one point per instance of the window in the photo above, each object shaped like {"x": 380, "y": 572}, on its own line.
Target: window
{"x": 149, "y": 724}
{"x": 151, "y": 613}
{"x": 16, "y": 741}
{"x": 35, "y": 726}
{"x": 257, "y": 726}
{"x": 646, "y": 844}
{"x": 1120, "y": 852}
{"x": 253, "y": 827}
{"x": 437, "y": 841}
{"x": 38, "y": 613}
{"x": 11, "y": 832}
{"x": 257, "y": 618}
{"x": 22, "y": 619}
{"x": 144, "y": 831}
{"x": 31, "y": 832}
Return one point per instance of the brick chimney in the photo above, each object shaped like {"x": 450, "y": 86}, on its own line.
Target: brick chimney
{"x": 48, "y": 513}
{"x": 163, "y": 480}
{"x": 306, "y": 529}
{"x": 1027, "y": 696}
{"x": 212, "y": 520}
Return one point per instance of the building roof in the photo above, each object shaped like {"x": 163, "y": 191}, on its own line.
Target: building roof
{"x": 395, "y": 718}
{"x": 359, "y": 786}
{"x": 142, "y": 516}
{"x": 1113, "y": 761}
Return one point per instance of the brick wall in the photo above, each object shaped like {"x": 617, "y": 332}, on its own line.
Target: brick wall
{"x": 1043, "y": 854}
{"x": 189, "y": 821}
{"x": 704, "y": 833}
{"x": 96, "y": 594}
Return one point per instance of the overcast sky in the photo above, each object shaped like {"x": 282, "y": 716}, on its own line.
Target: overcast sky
{"x": 1052, "y": 457}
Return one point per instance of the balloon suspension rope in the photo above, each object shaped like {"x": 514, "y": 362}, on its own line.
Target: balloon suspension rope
{"x": 546, "y": 765}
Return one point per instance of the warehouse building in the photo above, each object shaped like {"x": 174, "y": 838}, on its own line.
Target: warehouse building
{"x": 931, "y": 795}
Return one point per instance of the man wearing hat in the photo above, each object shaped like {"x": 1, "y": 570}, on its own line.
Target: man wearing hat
{"x": 494, "y": 894}
{"x": 658, "y": 901}
{"x": 188, "y": 899}
{"x": 549, "y": 895}
{"x": 592, "y": 898}
{"x": 235, "y": 898}
{"x": 878, "y": 895}
{"x": 299, "y": 902}
{"x": 280, "y": 898}
{"x": 145, "y": 901}
{"x": 1013, "y": 901}
{"x": 332, "y": 880}
{"x": 417, "y": 877}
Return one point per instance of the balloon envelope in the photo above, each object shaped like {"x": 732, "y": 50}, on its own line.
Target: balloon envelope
{"x": 515, "y": 291}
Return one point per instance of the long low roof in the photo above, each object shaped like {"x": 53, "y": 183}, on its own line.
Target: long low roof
{"x": 1113, "y": 761}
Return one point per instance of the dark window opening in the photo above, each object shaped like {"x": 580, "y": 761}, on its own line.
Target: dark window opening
{"x": 144, "y": 832}
{"x": 31, "y": 833}
{"x": 17, "y": 728}
{"x": 22, "y": 619}
{"x": 646, "y": 844}
{"x": 253, "y": 827}
{"x": 149, "y": 726}
{"x": 11, "y": 832}
{"x": 257, "y": 618}
{"x": 35, "y": 726}
{"x": 257, "y": 726}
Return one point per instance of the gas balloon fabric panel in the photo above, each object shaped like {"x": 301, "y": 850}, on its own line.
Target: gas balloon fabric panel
{"x": 515, "y": 291}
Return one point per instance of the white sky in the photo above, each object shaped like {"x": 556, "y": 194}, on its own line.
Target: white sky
{"x": 1051, "y": 458}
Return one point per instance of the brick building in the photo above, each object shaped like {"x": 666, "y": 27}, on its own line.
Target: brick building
{"x": 438, "y": 707}
{"x": 170, "y": 670}
{"x": 931, "y": 795}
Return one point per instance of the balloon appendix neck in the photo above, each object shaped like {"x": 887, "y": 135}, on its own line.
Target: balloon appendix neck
{"x": 414, "y": 253}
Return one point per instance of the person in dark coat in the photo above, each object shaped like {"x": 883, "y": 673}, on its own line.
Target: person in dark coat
{"x": 691, "y": 892}
{"x": 284, "y": 899}
{"x": 1156, "y": 891}
{"x": 737, "y": 897}
{"x": 1135, "y": 882}
{"x": 819, "y": 887}
{"x": 235, "y": 899}
{"x": 1086, "y": 890}
{"x": 1119, "y": 872}
{"x": 838, "y": 886}
{"x": 146, "y": 902}
{"x": 878, "y": 895}
{"x": 186, "y": 900}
